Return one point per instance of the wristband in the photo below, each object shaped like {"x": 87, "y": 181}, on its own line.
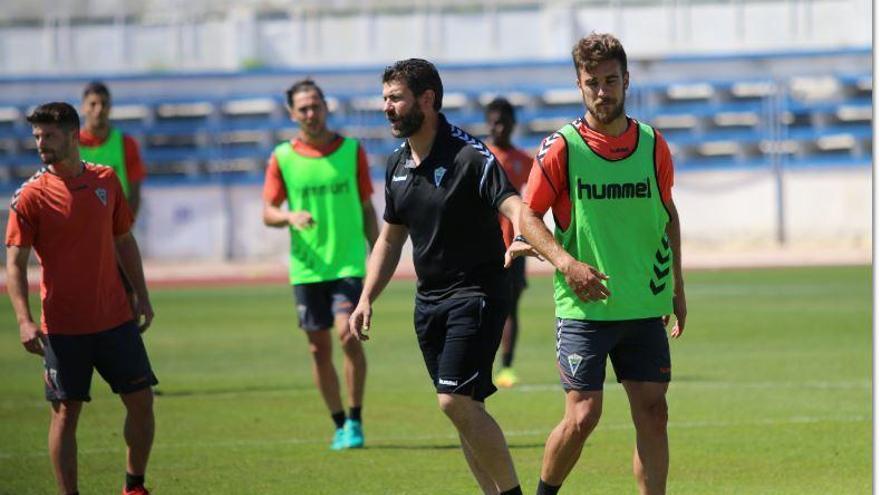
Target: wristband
{"x": 520, "y": 238}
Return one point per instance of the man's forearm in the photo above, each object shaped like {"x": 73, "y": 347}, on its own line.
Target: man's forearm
{"x": 275, "y": 217}
{"x": 673, "y": 232}
{"x": 17, "y": 285}
{"x": 134, "y": 198}
{"x": 511, "y": 208}
{"x": 541, "y": 240}
{"x": 371, "y": 226}
{"x": 383, "y": 261}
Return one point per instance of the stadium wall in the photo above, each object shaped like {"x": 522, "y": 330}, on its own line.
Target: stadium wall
{"x": 242, "y": 39}
{"x": 719, "y": 210}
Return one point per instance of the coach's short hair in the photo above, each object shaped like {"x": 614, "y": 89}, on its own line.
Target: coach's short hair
{"x": 596, "y": 48}
{"x": 503, "y": 106}
{"x": 419, "y": 75}
{"x": 96, "y": 88}
{"x": 56, "y": 112}
{"x": 307, "y": 84}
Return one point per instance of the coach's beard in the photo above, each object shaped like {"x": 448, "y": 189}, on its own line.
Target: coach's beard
{"x": 405, "y": 126}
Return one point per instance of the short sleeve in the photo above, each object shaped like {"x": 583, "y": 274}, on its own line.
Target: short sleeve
{"x": 549, "y": 175}
{"x": 274, "y": 191}
{"x": 135, "y": 170}
{"x": 122, "y": 217}
{"x": 365, "y": 183}
{"x": 21, "y": 228}
{"x": 494, "y": 185}
{"x": 664, "y": 168}
{"x": 390, "y": 215}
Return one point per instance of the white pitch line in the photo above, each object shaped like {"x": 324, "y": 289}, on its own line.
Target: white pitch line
{"x": 378, "y": 441}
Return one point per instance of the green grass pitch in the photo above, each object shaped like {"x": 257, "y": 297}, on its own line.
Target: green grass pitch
{"x": 770, "y": 395}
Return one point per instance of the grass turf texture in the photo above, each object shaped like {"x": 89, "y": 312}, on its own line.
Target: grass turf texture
{"x": 770, "y": 395}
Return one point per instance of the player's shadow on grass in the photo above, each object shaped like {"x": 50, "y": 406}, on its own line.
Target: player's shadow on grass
{"x": 444, "y": 446}
{"x": 250, "y": 389}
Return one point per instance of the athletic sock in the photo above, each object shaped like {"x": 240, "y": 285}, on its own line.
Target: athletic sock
{"x": 513, "y": 491}
{"x": 506, "y": 359}
{"x": 354, "y": 413}
{"x": 545, "y": 489}
{"x": 338, "y": 418}
{"x": 133, "y": 481}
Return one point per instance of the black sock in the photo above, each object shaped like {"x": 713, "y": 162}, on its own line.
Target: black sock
{"x": 354, "y": 413}
{"x": 133, "y": 481}
{"x": 73, "y": 493}
{"x": 545, "y": 489}
{"x": 506, "y": 359}
{"x": 338, "y": 418}
{"x": 513, "y": 491}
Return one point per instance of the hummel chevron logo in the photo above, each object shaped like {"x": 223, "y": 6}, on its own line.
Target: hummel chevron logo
{"x": 661, "y": 268}
{"x": 662, "y": 259}
{"x": 661, "y": 273}
{"x": 474, "y": 142}
{"x": 655, "y": 288}
{"x": 545, "y": 146}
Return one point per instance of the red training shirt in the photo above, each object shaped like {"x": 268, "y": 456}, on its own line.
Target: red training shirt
{"x": 72, "y": 224}
{"x": 516, "y": 164}
{"x": 548, "y": 181}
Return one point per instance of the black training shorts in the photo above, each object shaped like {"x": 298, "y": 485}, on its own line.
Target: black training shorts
{"x": 458, "y": 338}
{"x": 639, "y": 351}
{"x": 317, "y": 303}
{"x": 118, "y": 354}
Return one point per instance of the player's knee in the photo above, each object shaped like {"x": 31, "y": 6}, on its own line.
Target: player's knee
{"x": 321, "y": 351}
{"x": 654, "y": 417}
{"x": 584, "y": 420}
{"x": 453, "y": 406}
{"x": 65, "y": 414}
{"x": 139, "y": 404}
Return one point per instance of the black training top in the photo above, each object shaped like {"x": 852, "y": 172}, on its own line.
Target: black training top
{"x": 449, "y": 203}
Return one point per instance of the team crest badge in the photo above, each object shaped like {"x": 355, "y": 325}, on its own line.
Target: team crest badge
{"x": 574, "y": 361}
{"x": 102, "y": 195}
{"x": 438, "y": 175}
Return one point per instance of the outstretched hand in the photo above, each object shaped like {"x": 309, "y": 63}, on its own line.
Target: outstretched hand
{"x": 517, "y": 249}
{"x": 586, "y": 281}
{"x": 301, "y": 220}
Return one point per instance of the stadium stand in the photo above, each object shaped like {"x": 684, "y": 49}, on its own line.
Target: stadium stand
{"x": 224, "y": 125}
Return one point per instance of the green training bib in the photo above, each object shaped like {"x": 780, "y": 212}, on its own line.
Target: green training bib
{"x": 618, "y": 225}
{"x": 110, "y": 153}
{"x": 326, "y": 187}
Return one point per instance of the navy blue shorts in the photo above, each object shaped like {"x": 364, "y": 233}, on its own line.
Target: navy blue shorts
{"x": 458, "y": 338}
{"x": 118, "y": 354}
{"x": 639, "y": 351}
{"x": 318, "y": 303}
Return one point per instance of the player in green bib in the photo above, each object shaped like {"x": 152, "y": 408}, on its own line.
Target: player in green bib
{"x": 616, "y": 248}
{"x": 324, "y": 179}
{"x": 103, "y": 144}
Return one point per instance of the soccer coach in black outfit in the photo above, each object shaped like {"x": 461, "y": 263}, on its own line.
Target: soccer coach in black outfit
{"x": 445, "y": 189}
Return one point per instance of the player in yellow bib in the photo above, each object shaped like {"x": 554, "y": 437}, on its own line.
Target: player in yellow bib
{"x": 324, "y": 179}
{"x": 608, "y": 179}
